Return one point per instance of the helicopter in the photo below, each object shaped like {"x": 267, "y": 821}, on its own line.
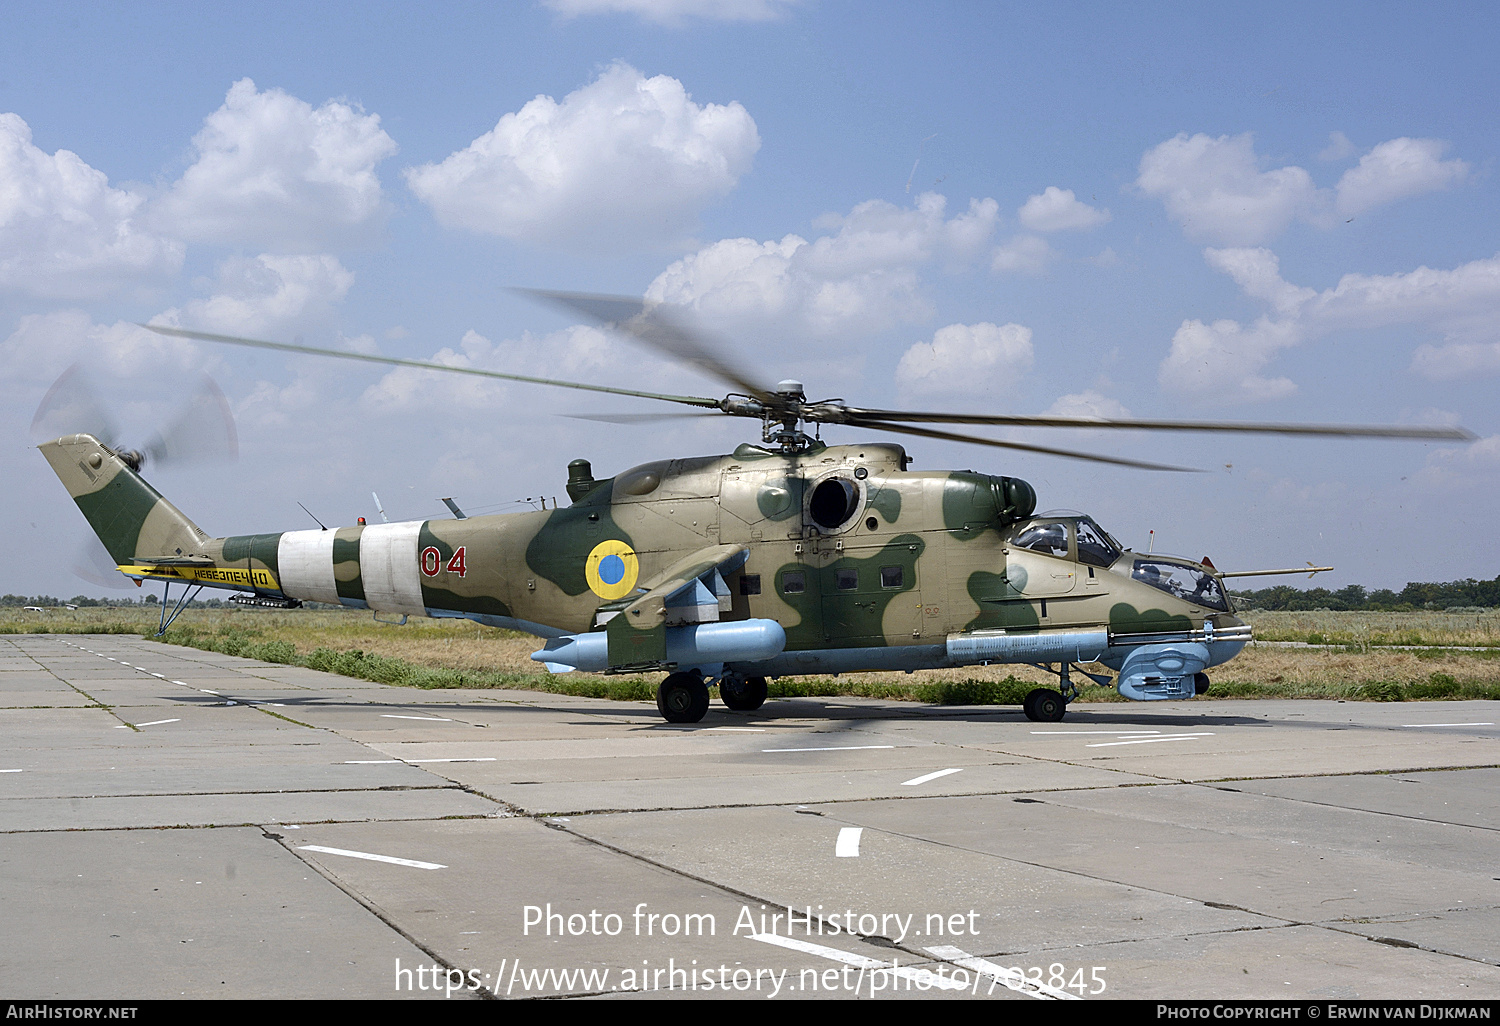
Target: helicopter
{"x": 783, "y": 558}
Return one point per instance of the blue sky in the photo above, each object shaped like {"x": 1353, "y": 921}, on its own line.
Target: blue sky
{"x": 1280, "y": 213}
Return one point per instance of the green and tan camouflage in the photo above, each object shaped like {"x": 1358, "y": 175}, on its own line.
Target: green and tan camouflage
{"x": 727, "y": 569}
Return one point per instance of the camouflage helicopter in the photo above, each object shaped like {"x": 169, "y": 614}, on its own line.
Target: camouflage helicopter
{"x": 783, "y": 558}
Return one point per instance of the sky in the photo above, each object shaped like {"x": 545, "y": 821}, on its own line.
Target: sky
{"x": 1283, "y": 212}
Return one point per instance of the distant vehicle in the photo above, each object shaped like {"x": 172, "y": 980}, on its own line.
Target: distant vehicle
{"x": 33, "y": 609}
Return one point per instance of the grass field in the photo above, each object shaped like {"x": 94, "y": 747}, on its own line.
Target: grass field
{"x": 456, "y": 653}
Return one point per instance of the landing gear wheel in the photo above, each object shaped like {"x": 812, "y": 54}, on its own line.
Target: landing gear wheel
{"x": 1045, "y": 706}
{"x": 682, "y": 698}
{"x": 1200, "y": 683}
{"x": 743, "y": 694}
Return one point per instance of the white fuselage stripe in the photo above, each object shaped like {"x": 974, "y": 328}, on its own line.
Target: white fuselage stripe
{"x": 388, "y": 567}
{"x": 305, "y": 559}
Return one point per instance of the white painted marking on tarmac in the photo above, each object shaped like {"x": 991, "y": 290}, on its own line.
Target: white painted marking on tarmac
{"x": 747, "y": 730}
{"x": 157, "y": 723}
{"x": 163, "y": 676}
{"x": 921, "y": 977}
{"x": 415, "y": 761}
{"x": 10, "y": 771}
{"x": 1447, "y": 724}
{"x": 413, "y": 863}
{"x": 930, "y": 776}
{"x": 1148, "y": 740}
{"x": 847, "y": 846}
{"x": 1122, "y": 733}
{"x": 843, "y": 748}
{"x": 393, "y": 716}
{"x": 369, "y": 762}
{"x": 1012, "y": 978}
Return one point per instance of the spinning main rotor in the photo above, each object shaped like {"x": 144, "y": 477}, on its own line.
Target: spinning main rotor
{"x": 784, "y": 410}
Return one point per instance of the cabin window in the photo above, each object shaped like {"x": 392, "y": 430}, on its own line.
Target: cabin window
{"x": 846, "y": 580}
{"x": 892, "y": 576}
{"x": 750, "y": 584}
{"x": 793, "y": 582}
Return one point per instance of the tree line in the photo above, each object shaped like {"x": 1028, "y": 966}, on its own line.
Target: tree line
{"x": 1415, "y": 595}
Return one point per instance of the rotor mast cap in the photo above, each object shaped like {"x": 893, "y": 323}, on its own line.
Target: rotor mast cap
{"x": 790, "y": 388}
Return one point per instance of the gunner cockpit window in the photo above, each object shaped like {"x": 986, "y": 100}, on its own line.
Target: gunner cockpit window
{"x": 1188, "y": 583}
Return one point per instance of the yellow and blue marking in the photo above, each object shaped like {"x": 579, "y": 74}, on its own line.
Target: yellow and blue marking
{"x": 612, "y": 569}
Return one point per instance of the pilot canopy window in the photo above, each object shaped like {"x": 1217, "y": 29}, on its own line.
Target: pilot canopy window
{"x": 1094, "y": 544}
{"x": 1050, "y": 539}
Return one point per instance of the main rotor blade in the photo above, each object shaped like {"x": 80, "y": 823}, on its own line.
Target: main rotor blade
{"x": 633, "y": 418}
{"x": 395, "y": 361}
{"x": 858, "y": 416}
{"x": 656, "y": 326}
{"x": 996, "y": 443}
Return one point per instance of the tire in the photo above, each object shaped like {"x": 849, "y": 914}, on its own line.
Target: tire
{"x": 743, "y": 694}
{"x": 1045, "y": 706}
{"x": 682, "y": 698}
{"x": 1200, "y": 684}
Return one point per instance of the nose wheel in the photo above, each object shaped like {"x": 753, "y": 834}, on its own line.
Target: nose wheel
{"x": 1045, "y": 706}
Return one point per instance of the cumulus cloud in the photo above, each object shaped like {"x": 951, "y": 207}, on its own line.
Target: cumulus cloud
{"x": 1058, "y": 210}
{"x": 1024, "y": 254}
{"x": 1395, "y": 170}
{"x": 63, "y": 231}
{"x": 674, "y": 12}
{"x": 1457, "y": 360}
{"x": 267, "y": 295}
{"x": 972, "y": 359}
{"x": 1223, "y": 360}
{"x": 1463, "y": 303}
{"x": 1339, "y": 148}
{"x": 625, "y": 159}
{"x": 1465, "y": 468}
{"x": 1215, "y": 188}
{"x": 273, "y": 171}
{"x": 44, "y": 345}
{"x": 862, "y": 276}
{"x": 1088, "y": 403}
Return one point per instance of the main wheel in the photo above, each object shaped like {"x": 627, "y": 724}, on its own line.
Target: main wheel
{"x": 1200, "y": 683}
{"x": 745, "y": 694}
{"x": 682, "y": 698}
{"x": 1045, "y": 706}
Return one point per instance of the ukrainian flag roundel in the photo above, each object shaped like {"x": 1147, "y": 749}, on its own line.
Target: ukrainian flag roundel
{"x": 612, "y": 569}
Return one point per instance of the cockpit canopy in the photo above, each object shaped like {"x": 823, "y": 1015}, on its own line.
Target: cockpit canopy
{"x": 1190, "y": 583}
{"x": 1062, "y": 537}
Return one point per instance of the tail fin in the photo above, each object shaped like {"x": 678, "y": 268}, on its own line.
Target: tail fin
{"x": 129, "y": 516}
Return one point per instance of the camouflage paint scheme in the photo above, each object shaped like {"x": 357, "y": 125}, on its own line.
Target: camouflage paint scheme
{"x": 917, "y": 557}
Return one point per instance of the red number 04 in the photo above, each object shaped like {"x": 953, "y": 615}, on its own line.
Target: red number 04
{"x": 432, "y": 562}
